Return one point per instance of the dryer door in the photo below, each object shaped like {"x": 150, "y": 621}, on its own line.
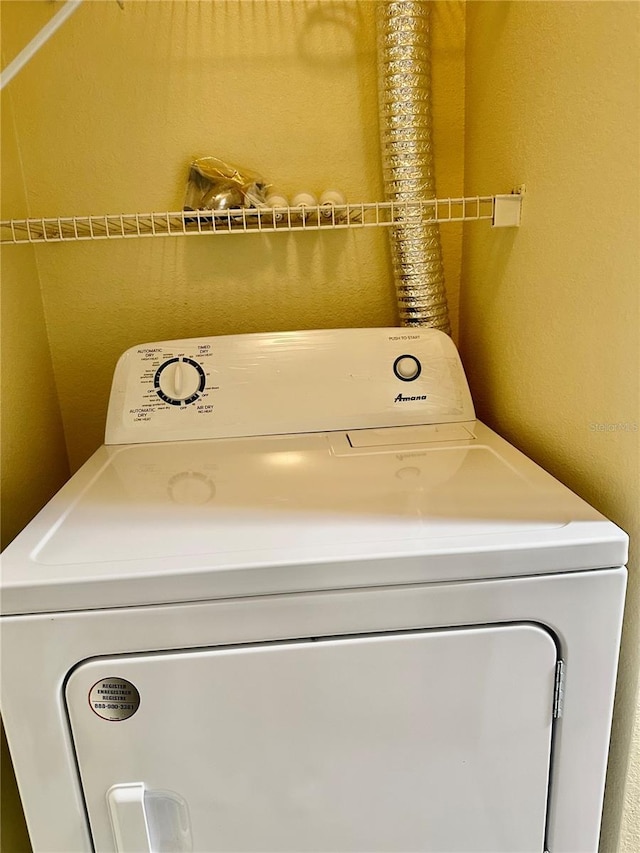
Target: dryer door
{"x": 434, "y": 740}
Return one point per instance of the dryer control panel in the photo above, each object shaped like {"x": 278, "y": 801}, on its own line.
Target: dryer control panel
{"x": 286, "y": 382}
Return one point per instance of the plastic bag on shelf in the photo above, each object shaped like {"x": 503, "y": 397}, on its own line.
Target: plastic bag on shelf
{"x": 216, "y": 185}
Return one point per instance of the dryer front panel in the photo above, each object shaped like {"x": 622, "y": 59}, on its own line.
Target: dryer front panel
{"x": 429, "y": 740}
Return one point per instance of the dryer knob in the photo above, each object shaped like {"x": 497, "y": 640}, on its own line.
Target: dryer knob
{"x": 407, "y": 367}
{"x": 179, "y": 381}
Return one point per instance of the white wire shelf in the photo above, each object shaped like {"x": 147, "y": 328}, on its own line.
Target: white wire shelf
{"x": 501, "y": 210}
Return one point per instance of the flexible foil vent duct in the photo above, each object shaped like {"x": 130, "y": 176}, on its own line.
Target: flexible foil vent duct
{"x": 404, "y": 87}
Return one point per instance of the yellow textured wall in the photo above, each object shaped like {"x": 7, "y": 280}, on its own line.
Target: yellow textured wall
{"x": 550, "y": 313}
{"x": 115, "y": 106}
{"x": 33, "y": 459}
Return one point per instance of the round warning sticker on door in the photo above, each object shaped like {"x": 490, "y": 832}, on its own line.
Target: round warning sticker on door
{"x": 114, "y": 699}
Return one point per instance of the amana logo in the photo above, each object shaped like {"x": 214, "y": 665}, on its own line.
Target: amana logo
{"x": 402, "y": 399}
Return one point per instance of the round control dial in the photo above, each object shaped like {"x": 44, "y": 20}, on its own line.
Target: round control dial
{"x": 407, "y": 368}
{"x": 179, "y": 381}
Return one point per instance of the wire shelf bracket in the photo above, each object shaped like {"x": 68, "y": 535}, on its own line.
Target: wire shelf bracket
{"x": 507, "y": 210}
{"x": 501, "y": 210}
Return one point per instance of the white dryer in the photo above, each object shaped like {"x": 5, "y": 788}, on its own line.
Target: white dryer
{"x": 302, "y": 600}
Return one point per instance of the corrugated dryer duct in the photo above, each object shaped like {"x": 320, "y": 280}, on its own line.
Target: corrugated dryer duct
{"x": 404, "y": 88}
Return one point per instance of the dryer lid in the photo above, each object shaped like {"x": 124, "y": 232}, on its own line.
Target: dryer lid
{"x": 178, "y": 521}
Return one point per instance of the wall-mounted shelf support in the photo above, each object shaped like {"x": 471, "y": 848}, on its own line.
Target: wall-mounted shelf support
{"x": 18, "y": 63}
{"x": 507, "y": 210}
{"x": 36, "y": 43}
{"x": 261, "y": 220}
